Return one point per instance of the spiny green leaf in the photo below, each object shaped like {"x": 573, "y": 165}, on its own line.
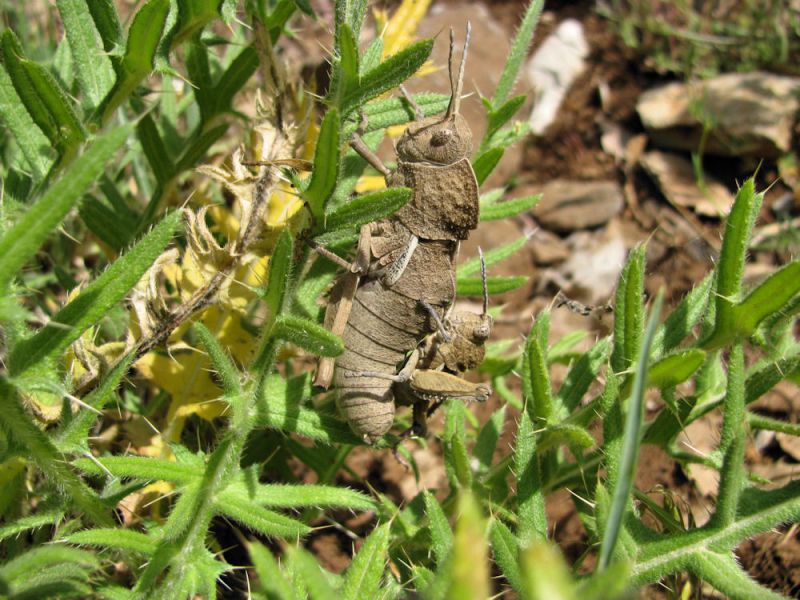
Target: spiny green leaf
{"x": 121, "y": 539}
{"x": 92, "y": 66}
{"x": 469, "y": 565}
{"x": 535, "y": 376}
{"x": 505, "y": 549}
{"x": 298, "y": 496}
{"x": 368, "y": 208}
{"x": 582, "y": 373}
{"x": 441, "y": 534}
{"x": 20, "y": 242}
{"x": 94, "y": 301}
{"x": 388, "y": 112}
{"x": 280, "y": 272}
{"x": 565, "y": 434}
{"x": 199, "y": 147}
{"x": 106, "y": 19}
{"x": 47, "y": 103}
{"x": 488, "y": 437}
{"x": 518, "y": 53}
{"x": 682, "y": 319}
{"x": 140, "y": 51}
{"x": 221, "y": 360}
{"x": 545, "y": 576}
{"x": 305, "y": 567}
{"x": 260, "y": 519}
{"x": 154, "y": 149}
{"x": 44, "y": 557}
{"x": 326, "y": 165}
{"x": 484, "y": 164}
{"x": 502, "y": 210}
{"x": 308, "y": 335}
{"x": 730, "y": 267}
{"x": 388, "y": 75}
{"x": 30, "y": 139}
{"x": 193, "y": 16}
{"x": 270, "y": 578}
{"x": 500, "y": 116}
{"x": 363, "y": 577}
{"x": 234, "y": 78}
{"x": 629, "y": 312}
{"x": 141, "y": 467}
{"x": 768, "y": 298}
{"x": 473, "y": 286}
{"x": 35, "y": 521}
{"x": 675, "y": 368}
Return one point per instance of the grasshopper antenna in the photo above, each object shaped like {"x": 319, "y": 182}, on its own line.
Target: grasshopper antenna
{"x": 457, "y": 87}
{"x": 485, "y": 283}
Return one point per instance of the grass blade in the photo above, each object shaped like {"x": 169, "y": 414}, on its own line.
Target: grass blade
{"x": 630, "y": 444}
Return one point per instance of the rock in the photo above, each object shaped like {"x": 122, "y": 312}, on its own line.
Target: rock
{"x": 594, "y": 264}
{"x": 675, "y": 178}
{"x": 571, "y": 205}
{"x": 488, "y": 52}
{"x": 552, "y": 69}
{"x": 547, "y": 248}
{"x": 753, "y": 114}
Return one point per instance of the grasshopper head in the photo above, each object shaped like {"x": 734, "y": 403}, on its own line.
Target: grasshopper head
{"x": 436, "y": 140}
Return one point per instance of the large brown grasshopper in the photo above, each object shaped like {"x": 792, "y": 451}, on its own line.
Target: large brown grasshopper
{"x": 401, "y": 284}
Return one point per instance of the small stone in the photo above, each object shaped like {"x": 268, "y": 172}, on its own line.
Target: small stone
{"x": 572, "y": 205}
{"x": 752, "y": 114}
{"x": 547, "y": 248}
{"x": 675, "y": 178}
{"x": 551, "y": 70}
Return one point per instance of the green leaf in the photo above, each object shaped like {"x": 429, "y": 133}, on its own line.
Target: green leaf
{"x": 363, "y": 577}
{"x": 630, "y": 444}
{"x": 106, "y": 20}
{"x": 154, "y": 149}
{"x": 469, "y": 565}
{"x": 31, "y": 141}
{"x": 300, "y": 495}
{"x": 107, "y": 224}
{"x": 530, "y": 494}
{"x": 490, "y": 433}
{"x": 199, "y": 147}
{"x": 305, "y": 569}
{"x": 441, "y": 534}
{"x": 682, "y": 319}
{"x": 506, "y": 549}
{"x": 388, "y": 112}
{"x": 629, "y": 312}
{"x": 372, "y": 56}
{"x": 730, "y": 267}
{"x": 221, "y": 360}
{"x": 35, "y": 521}
{"x": 518, "y": 53}
{"x": 270, "y": 578}
{"x": 388, "y": 75}
{"x": 44, "y": 557}
{"x": 535, "y": 377}
{"x": 121, "y": 539}
{"x": 502, "y": 210}
{"x": 484, "y": 164}
{"x": 769, "y": 298}
{"x": 142, "y": 468}
{"x": 234, "y": 78}
{"x": 545, "y": 576}
{"x": 564, "y": 434}
{"x": 456, "y": 458}
{"x": 473, "y": 286}
{"x": 19, "y": 243}
{"x": 675, "y": 369}
{"x": 193, "y": 16}
{"x": 326, "y": 165}
{"x": 47, "y": 103}
{"x": 86, "y": 309}
{"x": 348, "y": 61}
{"x": 308, "y": 335}
{"x": 500, "y": 116}
{"x": 280, "y": 273}
{"x": 140, "y": 51}
{"x": 368, "y": 208}
{"x": 260, "y": 519}
{"x": 582, "y": 373}
{"x": 92, "y": 66}
{"x": 493, "y": 256}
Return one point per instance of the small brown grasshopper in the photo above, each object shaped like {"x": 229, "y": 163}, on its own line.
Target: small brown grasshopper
{"x": 402, "y": 281}
{"x": 457, "y": 347}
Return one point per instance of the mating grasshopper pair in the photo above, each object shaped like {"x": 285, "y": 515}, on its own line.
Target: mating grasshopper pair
{"x": 399, "y": 290}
